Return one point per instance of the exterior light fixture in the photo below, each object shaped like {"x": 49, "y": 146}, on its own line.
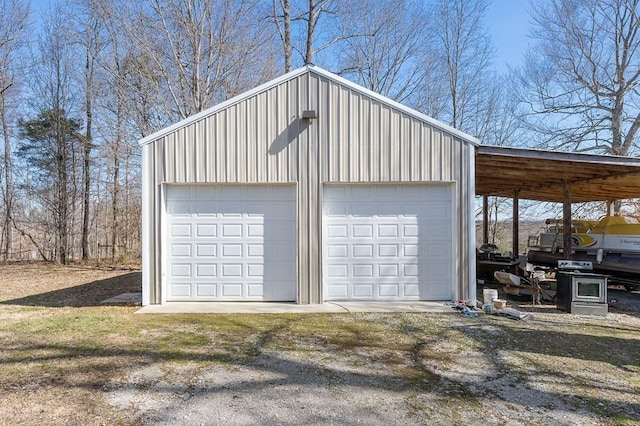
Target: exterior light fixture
{"x": 309, "y": 114}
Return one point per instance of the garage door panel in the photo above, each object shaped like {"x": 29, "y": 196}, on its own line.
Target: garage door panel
{"x": 388, "y": 270}
{"x": 388, "y": 250}
{"x": 439, "y": 192}
{"x": 410, "y": 250}
{"x": 410, "y": 270}
{"x": 232, "y": 246}
{"x": 231, "y": 270}
{"x": 180, "y": 270}
{"x": 206, "y": 290}
{"x": 206, "y": 230}
{"x": 337, "y": 250}
{"x": 387, "y": 231}
{"x": 205, "y": 250}
{"x": 255, "y": 250}
{"x": 336, "y": 210}
{"x": 388, "y": 290}
{"x": 231, "y": 250}
{"x": 204, "y": 209}
{"x": 206, "y": 270}
{"x": 230, "y": 230}
{"x": 232, "y": 290}
{"x": 439, "y": 213}
{"x": 362, "y": 250}
{"x": 337, "y": 270}
{"x": 336, "y": 230}
{"x": 181, "y": 250}
{"x": 362, "y": 270}
{"x": 184, "y": 194}
{"x": 339, "y": 290}
{"x": 411, "y": 290}
{"x": 255, "y": 270}
{"x": 362, "y": 231}
{"x": 182, "y": 290}
{"x": 178, "y": 230}
{"x": 180, "y": 210}
{"x": 363, "y": 290}
{"x": 281, "y": 211}
{"x": 254, "y": 290}
{"x": 409, "y": 231}
{"x": 381, "y": 242}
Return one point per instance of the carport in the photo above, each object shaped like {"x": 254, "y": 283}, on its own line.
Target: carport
{"x": 561, "y": 177}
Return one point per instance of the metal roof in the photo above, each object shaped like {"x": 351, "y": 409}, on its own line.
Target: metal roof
{"x": 293, "y": 74}
{"x": 540, "y": 175}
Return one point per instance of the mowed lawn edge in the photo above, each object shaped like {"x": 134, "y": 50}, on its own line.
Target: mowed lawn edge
{"x": 64, "y": 363}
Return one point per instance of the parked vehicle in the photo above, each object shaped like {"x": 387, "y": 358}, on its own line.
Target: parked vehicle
{"x": 612, "y": 244}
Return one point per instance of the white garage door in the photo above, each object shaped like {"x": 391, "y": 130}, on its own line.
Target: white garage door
{"x": 230, "y": 243}
{"x": 388, "y": 242}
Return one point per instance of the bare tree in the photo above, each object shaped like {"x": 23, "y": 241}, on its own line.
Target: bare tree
{"x": 90, "y": 41}
{"x": 133, "y": 104}
{"x": 463, "y": 48}
{"x": 385, "y": 50}
{"x": 205, "y": 50}
{"x": 282, "y": 20}
{"x": 315, "y": 9}
{"x": 50, "y": 144}
{"x": 580, "y": 81}
{"x": 310, "y": 27}
{"x": 13, "y": 26}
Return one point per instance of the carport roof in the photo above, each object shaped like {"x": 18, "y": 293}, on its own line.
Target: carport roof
{"x": 539, "y": 175}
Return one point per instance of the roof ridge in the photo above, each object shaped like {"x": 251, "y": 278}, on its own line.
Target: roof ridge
{"x": 308, "y": 68}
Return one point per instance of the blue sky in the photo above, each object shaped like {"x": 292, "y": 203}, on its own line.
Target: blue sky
{"x": 506, "y": 20}
{"x": 508, "y": 23}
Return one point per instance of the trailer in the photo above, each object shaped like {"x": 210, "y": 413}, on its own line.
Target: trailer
{"x": 612, "y": 244}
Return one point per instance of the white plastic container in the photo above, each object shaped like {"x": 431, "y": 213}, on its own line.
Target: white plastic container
{"x": 489, "y": 295}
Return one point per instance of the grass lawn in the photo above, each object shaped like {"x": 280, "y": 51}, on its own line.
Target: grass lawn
{"x": 68, "y": 360}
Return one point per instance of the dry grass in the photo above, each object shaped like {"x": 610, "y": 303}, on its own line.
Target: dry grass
{"x": 68, "y": 360}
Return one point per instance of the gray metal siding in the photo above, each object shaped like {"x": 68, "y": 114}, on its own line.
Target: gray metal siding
{"x": 261, "y": 139}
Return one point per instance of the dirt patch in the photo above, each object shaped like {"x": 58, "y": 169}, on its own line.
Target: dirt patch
{"x": 44, "y": 284}
{"x": 67, "y": 360}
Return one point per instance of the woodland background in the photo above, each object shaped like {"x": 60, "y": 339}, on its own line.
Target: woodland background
{"x": 82, "y": 81}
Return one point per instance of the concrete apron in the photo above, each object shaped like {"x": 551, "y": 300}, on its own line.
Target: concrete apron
{"x": 283, "y": 308}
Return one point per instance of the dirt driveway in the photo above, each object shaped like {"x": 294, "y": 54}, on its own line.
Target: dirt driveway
{"x": 68, "y": 360}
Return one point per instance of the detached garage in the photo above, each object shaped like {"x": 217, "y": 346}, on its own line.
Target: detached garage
{"x": 308, "y": 189}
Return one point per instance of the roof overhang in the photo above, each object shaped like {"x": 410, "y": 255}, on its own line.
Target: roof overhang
{"x": 466, "y": 138}
{"x": 541, "y": 175}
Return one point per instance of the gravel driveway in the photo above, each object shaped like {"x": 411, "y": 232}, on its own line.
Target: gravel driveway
{"x": 461, "y": 380}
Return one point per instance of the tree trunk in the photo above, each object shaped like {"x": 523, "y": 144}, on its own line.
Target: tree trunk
{"x": 287, "y": 35}
{"x": 63, "y": 197}
{"x": 311, "y": 26}
{"x": 8, "y": 190}
{"x": 87, "y": 157}
{"x": 114, "y": 205}
{"x": 115, "y": 193}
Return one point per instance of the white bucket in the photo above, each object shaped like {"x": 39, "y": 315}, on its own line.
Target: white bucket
{"x": 489, "y": 295}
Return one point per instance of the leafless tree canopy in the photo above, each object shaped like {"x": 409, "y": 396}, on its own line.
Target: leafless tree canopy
{"x": 13, "y": 26}
{"x": 114, "y": 71}
{"x": 580, "y": 81}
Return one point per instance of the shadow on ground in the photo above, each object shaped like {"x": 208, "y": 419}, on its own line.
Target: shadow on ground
{"x": 260, "y": 383}
{"x": 91, "y": 294}
{"x": 620, "y": 301}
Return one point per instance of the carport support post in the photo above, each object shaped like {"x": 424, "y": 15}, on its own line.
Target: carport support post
{"x": 515, "y": 224}
{"x": 566, "y": 220}
{"x": 485, "y": 219}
